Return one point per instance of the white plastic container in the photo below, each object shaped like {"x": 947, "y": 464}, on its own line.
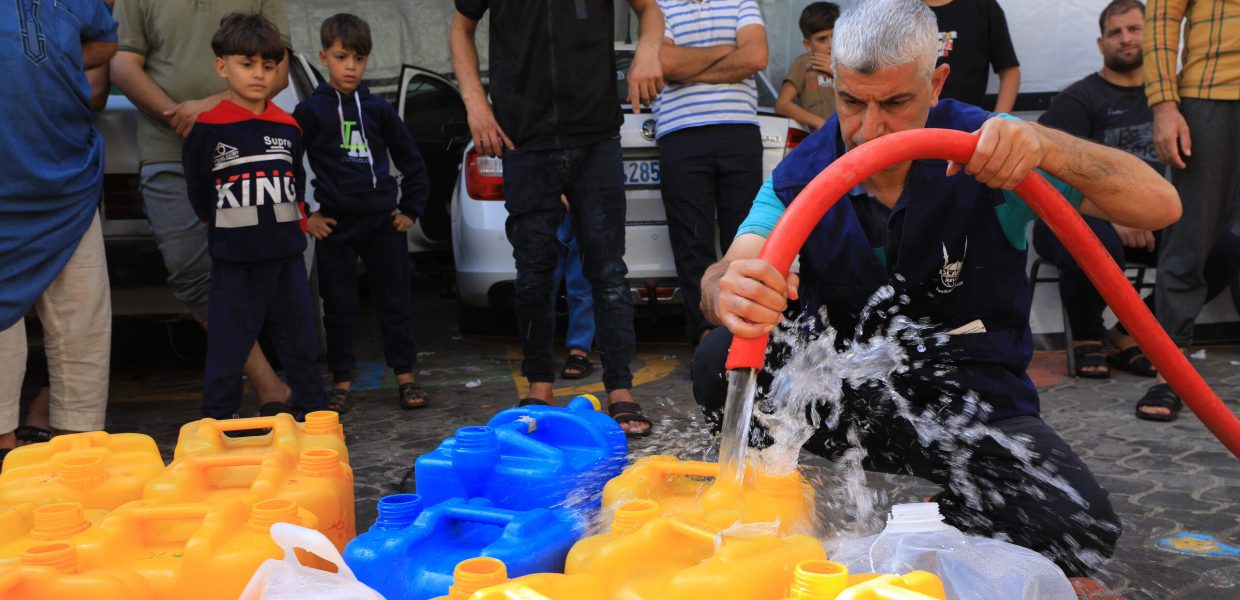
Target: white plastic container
{"x": 288, "y": 579}
{"x": 971, "y": 567}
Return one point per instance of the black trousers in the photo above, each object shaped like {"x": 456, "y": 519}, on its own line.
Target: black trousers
{"x": 706, "y": 171}
{"x": 242, "y": 301}
{"x": 386, "y": 256}
{"x": 1085, "y": 304}
{"x": 1067, "y": 517}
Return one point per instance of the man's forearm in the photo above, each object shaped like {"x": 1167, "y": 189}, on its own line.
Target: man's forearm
{"x": 1009, "y": 86}
{"x": 96, "y": 54}
{"x": 129, "y": 76}
{"x": 736, "y": 66}
{"x": 465, "y": 60}
{"x": 1118, "y": 185}
{"x": 748, "y": 58}
{"x": 682, "y": 64}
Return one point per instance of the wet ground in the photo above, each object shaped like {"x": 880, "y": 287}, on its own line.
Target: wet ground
{"x": 1169, "y": 482}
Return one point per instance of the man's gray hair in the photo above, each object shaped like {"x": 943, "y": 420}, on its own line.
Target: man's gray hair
{"x": 876, "y": 34}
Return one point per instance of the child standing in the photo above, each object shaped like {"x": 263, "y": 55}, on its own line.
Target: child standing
{"x": 243, "y": 173}
{"x": 349, "y": 135}
{"x": 807, "y": 95}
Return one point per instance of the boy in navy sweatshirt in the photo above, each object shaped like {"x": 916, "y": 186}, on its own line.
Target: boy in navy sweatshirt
{"x": 244, "y": 177}
{"x": 349, "y": 135}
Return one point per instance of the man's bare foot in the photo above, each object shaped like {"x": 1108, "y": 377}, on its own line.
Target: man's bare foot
{"x": 541, "y": 390}
{"x": 1090, "y": 361}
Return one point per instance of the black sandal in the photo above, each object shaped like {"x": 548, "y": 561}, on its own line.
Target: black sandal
{"x": 1089, "y": 355}
{"x": 411, "y": 396}
{"x": 340, "y": 400}
{"x": 577, "y": 367}
{"x": 1160, "y": 395}
{"x": 32, "y": 434}
{"x": 1134, "y": 361}
{"x": 630, "y": 412}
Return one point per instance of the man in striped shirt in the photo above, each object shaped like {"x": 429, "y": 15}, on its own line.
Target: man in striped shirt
{"x": 710, "y": 145}
{"x": 1196, "y": 132}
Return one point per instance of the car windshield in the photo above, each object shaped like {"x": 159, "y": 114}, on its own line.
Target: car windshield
{"x": 624, "y": 57}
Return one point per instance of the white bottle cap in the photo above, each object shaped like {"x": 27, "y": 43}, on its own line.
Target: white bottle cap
{"x": 915, "y": 517}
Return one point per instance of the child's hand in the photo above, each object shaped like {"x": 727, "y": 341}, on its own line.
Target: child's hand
{"x": 821, "y": 63}
{"x": 401, "y": 222}
{"x": 319, "y": 226}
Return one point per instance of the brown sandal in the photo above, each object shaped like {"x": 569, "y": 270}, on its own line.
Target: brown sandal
{"x": 411, "y": 396}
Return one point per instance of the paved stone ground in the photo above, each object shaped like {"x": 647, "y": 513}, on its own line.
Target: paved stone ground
{"x": 1164, "y": 479}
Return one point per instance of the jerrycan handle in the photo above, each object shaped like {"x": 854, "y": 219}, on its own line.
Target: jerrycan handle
{"x": 694, "y": 531}
{"x": 174, "y": 512}
{"x": 293, "y": 537}
{"x": 687, "y": 468}
{"x": 488, "y": 515}
{"x": 222, "y": 461}
{"x": 273, "y": 423}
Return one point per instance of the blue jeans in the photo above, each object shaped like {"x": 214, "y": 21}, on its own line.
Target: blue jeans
{"x": 592, "y": 179}
{"x": 580, "y": 303}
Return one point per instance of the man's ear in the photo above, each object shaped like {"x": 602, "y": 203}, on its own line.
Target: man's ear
{"x": 937, "y": 78}
{"x": 1099, "y": 44}
{"x": 219, "y": 67}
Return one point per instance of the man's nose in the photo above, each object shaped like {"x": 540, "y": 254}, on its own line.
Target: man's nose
{"x": 872, "y": 122}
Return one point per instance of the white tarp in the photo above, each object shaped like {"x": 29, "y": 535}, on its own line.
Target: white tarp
{"x": 1054, "y": 39}
{"x": 404, "y": 32}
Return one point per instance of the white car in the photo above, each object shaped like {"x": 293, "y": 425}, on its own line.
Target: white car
{"x": 485, "y": 269}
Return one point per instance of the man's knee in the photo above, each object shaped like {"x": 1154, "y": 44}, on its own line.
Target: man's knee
{"x": 710, "y": 385}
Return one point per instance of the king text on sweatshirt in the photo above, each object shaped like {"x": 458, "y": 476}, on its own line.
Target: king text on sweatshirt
{"x": 244, "y": 178}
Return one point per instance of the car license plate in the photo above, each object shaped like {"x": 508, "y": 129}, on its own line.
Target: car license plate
{"x": 641, "y": 173}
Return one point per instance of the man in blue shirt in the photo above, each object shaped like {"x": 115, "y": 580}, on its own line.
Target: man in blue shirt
{"x": 953, "y": 248}
{"x": 51, "y": 173}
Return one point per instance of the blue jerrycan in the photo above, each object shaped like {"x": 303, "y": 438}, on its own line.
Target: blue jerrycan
{"x": 528, "y": 457}
{"x": 410, "y": 552}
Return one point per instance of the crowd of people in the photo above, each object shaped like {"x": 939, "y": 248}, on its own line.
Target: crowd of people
{"x": 223, "y": 189}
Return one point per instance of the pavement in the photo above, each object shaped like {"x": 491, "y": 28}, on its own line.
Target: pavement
{"x": 1175, "y": 487}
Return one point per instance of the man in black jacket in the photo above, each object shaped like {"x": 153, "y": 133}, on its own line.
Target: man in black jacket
{"x": 556, "y": 124}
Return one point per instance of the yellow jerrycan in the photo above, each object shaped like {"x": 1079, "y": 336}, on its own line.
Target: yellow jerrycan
{"x": 51, "y": 571}
{"x": 319, "y": 482}
{"x": 676, "y": 558}
{"x": 25, "y": 526}
{"x": 487, "y": 579}
{"x": 96, "y": 469}
{"x": 690, "y": 488}
{"x": 207, "y": 437}
{"x": 190, "y": 551}
{"x": 827, "y": 580}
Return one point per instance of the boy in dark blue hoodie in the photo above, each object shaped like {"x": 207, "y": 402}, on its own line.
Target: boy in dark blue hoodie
{"x": 349, "y": 135}
{"x": 244, "y": 178}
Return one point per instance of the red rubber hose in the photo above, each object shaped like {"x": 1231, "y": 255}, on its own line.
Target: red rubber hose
{"x": 1063, "y": 220}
